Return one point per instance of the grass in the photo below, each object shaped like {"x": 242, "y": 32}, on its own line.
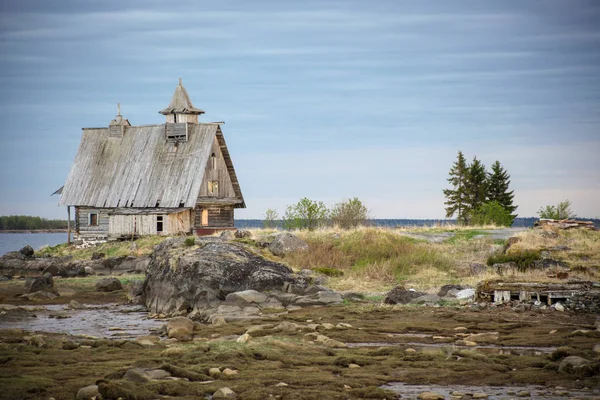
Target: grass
{"x": 140, "y": 247}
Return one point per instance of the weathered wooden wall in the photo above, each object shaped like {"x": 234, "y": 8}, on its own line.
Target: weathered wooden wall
{"x": 218, "y": 216}
{"x": 146, "y": 224}
{"x": 82, "y": 226}
{"x": 219, "y": 173}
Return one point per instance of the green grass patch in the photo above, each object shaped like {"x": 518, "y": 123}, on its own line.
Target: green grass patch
{"x": 524, "y": 260}
{"x": 465, "y": 234}
{"x": 329, "y": 271}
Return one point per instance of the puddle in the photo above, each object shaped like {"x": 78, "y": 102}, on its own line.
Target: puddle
{"x": 445, "y": 347}
{"x": 132, "y": 321}
{"x": 494, "y": 392}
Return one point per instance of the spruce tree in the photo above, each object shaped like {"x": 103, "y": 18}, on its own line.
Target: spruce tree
{"x": 476, "y": 187}
{"x": 497, "y": 190}
{"x": 456, "y": 197}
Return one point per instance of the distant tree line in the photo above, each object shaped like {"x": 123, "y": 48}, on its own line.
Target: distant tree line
{"x": 26, "y": 222}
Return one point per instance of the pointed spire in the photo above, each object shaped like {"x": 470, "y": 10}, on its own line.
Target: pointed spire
{"x": 181, "y": 103}
{"x": 119, "y": 120}
{"x": 118, "y": 108}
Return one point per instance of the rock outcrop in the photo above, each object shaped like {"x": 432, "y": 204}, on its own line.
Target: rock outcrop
{"x": 182, "y": 279}
{"x": 285, "y": 243}
{"x": 401, "y": 295}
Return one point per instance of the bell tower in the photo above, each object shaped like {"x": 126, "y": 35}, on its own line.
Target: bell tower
{"x": 181, "y": 108}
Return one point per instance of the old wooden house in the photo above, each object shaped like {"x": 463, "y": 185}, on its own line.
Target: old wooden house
{"x": 173, "y": 178}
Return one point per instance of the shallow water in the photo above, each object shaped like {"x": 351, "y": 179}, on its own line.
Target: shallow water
{"x": 494, "y": 392}
{"x": 96, "y": 321}
{"x": 449, "y": 347}
{"x": 16, "y": 241}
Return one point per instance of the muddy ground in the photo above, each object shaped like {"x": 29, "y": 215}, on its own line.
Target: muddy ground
{"x": 374, "y": 351}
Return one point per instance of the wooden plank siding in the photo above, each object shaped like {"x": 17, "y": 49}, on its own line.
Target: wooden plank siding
{"x": 147, "y": 224}
{"x": 218, "y": 173}
{"x": 218, "y": 216}
{"x": 82, "y": 222}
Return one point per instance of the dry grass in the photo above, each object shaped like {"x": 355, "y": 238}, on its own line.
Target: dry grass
{"x": 140, "y": 247}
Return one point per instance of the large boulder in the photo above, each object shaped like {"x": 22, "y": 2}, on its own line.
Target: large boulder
{"x": 27, "y": 251}
{"x": 285, "y": 243}
{"x": 401, "y": 295}
{"x": 108, "y": 285}
{"x": 185, "y": 279}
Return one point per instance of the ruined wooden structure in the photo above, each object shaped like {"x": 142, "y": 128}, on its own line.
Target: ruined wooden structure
{"x": 563, "y": 224}
{"x": 500, "y": 292}
{"x": 173, "y": 178}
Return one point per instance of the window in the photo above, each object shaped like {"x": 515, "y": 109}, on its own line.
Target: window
{"x": 159, "y": 223}
{"x": 213, "y": 161}
{"x": 213, "y": 187}
{"x": 93, "y": 219}
{"x": 204, "y": 217}
{"x": 176, "y": 132}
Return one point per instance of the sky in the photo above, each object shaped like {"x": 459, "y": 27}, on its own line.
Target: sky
{"x": 321, "y": 99}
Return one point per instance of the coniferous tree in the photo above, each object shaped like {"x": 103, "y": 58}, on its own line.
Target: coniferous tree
{"x": 497, "y": 190}
{"x": 476, "y": 187}
{"x": 456, "y": 197}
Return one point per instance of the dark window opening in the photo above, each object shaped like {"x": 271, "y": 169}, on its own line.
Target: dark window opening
{"x": 93, "y": 219}
{"x": 182, "y": 204}
{"x": 159, "y": 223}
{"x": 213, "y": 161}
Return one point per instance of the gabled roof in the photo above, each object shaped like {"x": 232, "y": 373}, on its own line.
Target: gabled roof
{"x": 181, "y": 103}
{"x": 141, "y": 168}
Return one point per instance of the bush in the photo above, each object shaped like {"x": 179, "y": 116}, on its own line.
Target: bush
{"x": 328, "y": 271}
{"x": 349, "y": 214}
{"x": 306, "y": 214}
{"x": 524, "y": 260}
{"x": 189, "y": 241}
{"x": 492, "y": 213}
{"x": 560, "y": 211}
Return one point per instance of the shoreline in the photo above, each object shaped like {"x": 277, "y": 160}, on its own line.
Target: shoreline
{"x": 34, "y": 231}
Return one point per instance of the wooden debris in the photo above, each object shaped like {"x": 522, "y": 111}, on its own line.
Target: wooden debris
{"x": 564, "y": 224}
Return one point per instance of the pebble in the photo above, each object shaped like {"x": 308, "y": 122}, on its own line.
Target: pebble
{"x": 410, "y": 350}
{"x": 430, "y": 396}
{"x": 229, "y": 372}
{"x": 224, "y": 393}
{"x": 460, "y": 329}
{"x": 281, "y": 384}
{"x": 347, "y": 387}
{"x": 553, "y": 331}
{"x": 327, "y": 325}
{"x": 214, "y": 372}
{"x": 480, "y": 395}
{"x": 351, "y": 365}
{"x": 525, "y": 393}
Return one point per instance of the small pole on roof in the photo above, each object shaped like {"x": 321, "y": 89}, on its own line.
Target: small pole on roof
{"x": 179, "y": 81}
{"x": 118, "y": 108}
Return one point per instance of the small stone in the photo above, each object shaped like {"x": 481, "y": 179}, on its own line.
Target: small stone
{"x": 553, "y": 331}
{"x": 87, "y": 392}
{"x": 224, "y": 393}
{"x": 229, "y": 372}
{"x": 343, "y": 325}
{"x": 108, "y": 285}
{"x": 430, "y": 396}
{"x": 219, "y": 320}
{"x": 561, "y": 393}
{"x": 559, "y": 307}
{"x": 524, "y": 393}
{"x": 352, "y": 365}
{"x": 597, "y": 348}
{"x": 460, "y": 329}
{"x": 245, "y": 338}
{"x": 458, "y": 394}
{"x": 467, "y": 343}
{"x": 281, "y": 384}
{"x": 410, "y": 350}
{"x": 480, "y": 395}
{"x": 327, "y": 325}
{"x": 335, "y": 344}
{"x": 75, "y": 305}
{"x": 347, "y": 387}
{"x": 214, "y": 372}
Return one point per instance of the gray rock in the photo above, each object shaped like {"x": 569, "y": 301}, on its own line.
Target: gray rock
{"x": 180, "y": 328}
{"x": 89, "y": 270}
{"x": 27, "y": 251}
{"x": 108, "y": 285}
{"x": 240, "y": 234}
{"x": 426, "y": 299}
{"x": 285, "y": 243}
{"x": 353, "y": 296}
{"x": 503, "y": 268}
{"x": 203, "y": 276}
{"x": 45, "y": 283}
{"x": 87, "y": 393}
{"x": 227, "y": 235}
{"x": 477, "y": 268}
{"x": 468, "y": 293}
{"x": 321, "y": 298}
{"x": 573, "y": 364}
{"x": 246, "y": 297}
{"x": 224, "y": 393}
{"x": 401, "y": 295}
{"x": 98, "y": 256}
{"x": 450, "y": 290}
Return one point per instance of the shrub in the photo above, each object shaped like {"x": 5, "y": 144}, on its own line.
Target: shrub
{"x": 329, "y": 271}
{"x": 189, "y": 241}
{"x": 524, "y": 260}
{"x": 306, "y": 214}
{"x": 349, "y": 214}
{"x": 560, "y": 211}
{"x": 492, "y": 213}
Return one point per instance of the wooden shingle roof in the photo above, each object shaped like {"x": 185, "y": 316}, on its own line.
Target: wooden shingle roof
{"x": 141, "y": 168}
